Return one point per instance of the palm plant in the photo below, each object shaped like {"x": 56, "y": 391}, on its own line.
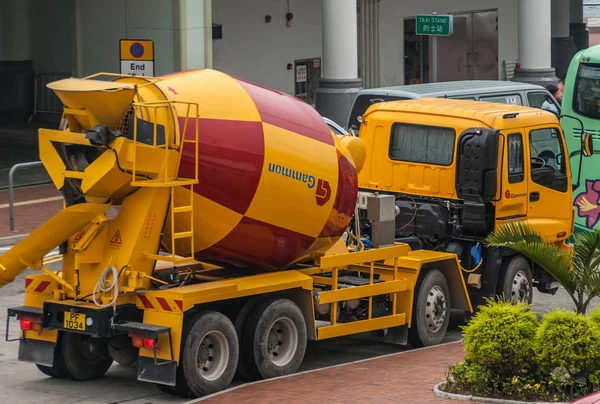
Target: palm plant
{"x": 575, "y": 269}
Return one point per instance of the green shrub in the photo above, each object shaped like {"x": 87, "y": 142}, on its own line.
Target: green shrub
{"x": 595, "y": 316}
{"x": 501, "y": 337}
{"x": 568, "y": 341}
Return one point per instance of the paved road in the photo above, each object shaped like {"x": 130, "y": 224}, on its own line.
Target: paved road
{"x": 22, "y": 382}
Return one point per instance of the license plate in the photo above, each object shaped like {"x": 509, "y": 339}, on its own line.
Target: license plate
{"x": 74, "y": 321}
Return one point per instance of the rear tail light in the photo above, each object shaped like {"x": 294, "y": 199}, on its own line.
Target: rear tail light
{"x": 137, "y": 341}
{"x": 150, "y": 343}
{"x": 143, "y": 341}
{"x": 30, "y": 323}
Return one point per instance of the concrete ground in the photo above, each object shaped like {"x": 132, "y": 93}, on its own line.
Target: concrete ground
{"x": 23, "y": 383}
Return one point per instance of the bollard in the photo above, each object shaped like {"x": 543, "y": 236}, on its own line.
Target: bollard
{"x": 11, "y": 173}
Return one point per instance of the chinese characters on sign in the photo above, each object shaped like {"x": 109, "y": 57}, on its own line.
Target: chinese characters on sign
{"x": 434, "y": 25}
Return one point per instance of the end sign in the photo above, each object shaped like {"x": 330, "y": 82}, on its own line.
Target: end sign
{"x": 137, "y": 57}
{"x": 434, "y": 24}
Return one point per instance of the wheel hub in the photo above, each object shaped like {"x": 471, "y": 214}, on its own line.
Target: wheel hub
{"x": 520, "y": 289}
{"x": 436, "y": 309}
{"x": 213, "y": 354}
{"x": 282, "y": 341}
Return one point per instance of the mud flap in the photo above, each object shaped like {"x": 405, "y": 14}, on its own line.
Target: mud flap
{"x": 38, "y": 352}
{"x": 157, "y": 371}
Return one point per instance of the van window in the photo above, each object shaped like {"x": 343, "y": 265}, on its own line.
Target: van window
{"x": 362, "y": 103}
{"x": 537, "y": 99}
{"x": 515, "y": 158}
{"x": 422, "y": 144}
{"x": 511, "y": 99}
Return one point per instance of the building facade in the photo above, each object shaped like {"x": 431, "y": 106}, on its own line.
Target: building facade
{"x": 307, "y": 48}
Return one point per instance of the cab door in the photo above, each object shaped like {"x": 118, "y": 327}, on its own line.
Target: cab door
{"x": 512, "y": 204}
{"x": 549, "y": 189}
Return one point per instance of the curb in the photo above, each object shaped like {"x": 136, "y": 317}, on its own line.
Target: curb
{"x": 461, "y": 397}
{"x": 199, "y": 399}
{"x": 11, "y": 240}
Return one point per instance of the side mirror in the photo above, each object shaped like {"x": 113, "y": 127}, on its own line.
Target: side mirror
{"x": 587, "y": 144}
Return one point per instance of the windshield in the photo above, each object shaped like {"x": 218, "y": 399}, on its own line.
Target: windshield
{"x": 586, "y": 95}
{"x": 363, "y": 102}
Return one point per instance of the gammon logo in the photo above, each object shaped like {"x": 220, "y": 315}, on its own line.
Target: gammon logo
{"x": 323, "y": 190}
{"x": 323, "y": 193}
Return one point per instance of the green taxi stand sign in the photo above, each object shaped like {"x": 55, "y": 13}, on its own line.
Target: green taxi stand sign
{"x": 434, "y": 24}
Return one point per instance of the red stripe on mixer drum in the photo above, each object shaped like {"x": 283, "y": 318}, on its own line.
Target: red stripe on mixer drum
{"x": 257, "y": 243}
{"x": 230, "y": 160}
{"x": 345, "y": 200}
{"x": 287, "y": 112}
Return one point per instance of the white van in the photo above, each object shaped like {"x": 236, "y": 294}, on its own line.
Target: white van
{"x": 506, "y": 92}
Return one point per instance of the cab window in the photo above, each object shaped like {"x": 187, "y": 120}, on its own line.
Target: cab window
{"x": 515, "y": 158}
{"x": 547, "y": 165}
{"x": 422, "y": 144}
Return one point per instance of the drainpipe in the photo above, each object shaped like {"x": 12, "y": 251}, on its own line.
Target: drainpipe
{"x": 208, "y": 51}
{"x": 376, "y": 30}
{"x": 182, "y": 35}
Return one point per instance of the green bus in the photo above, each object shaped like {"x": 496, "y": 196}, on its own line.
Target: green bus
{"x": 580, "y": 120}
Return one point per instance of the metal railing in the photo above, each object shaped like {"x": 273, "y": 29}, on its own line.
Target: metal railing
{"x": 45, "y": 101}
{"x": 11, "y": 196}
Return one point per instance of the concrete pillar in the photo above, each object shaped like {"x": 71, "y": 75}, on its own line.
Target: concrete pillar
{"x": 563, "y": 46}
{"x": 194, "y": 34}
{"x": 340, "y": 82}
{"x": 578, "y": 29}
{"x": 535, "y": 64}
{"x": 16, "y": 67}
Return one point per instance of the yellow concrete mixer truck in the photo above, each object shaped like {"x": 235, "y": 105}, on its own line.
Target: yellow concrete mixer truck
{"x": 204, "y": 233}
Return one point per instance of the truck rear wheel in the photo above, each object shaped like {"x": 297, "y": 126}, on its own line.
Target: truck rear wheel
{"x": 274, "y": 340}
{"x": 431, "y": 310}
{"x": 210, "y": 354}
{"x": 240, "y": 325}
{"x": 515, "y": 281}
{"x": 85, "y": 358}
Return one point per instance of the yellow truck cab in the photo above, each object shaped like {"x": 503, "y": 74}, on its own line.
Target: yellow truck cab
{"x": 461, "y": 168}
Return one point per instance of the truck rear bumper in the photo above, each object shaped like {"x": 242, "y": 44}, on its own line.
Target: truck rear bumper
{"x": 93, "y": 321}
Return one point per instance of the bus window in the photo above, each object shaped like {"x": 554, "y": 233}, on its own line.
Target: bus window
{"x": 586, "y": 93}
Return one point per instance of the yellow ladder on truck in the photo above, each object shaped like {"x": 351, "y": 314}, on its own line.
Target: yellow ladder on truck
{"x": 178, "y": 142}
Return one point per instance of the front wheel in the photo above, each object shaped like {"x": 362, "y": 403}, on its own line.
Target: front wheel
{"x": 516, "y": 283}
{"x": 431, "y": 310}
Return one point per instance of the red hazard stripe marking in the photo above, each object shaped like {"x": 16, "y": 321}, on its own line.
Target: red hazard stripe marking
{"x": 257, "y": 243}
{"x": 287, "y": 112}
{"x": 28, "y": 282}
{"x": 163, "y": 303}
{"x": 179, "y": 304}
{"x": 230, "y": 160}
{"x": 42, "y": 286}
{"x": 146, "y": 302}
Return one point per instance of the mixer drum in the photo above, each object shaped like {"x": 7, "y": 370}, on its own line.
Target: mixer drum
{"x": 276, "y": 186}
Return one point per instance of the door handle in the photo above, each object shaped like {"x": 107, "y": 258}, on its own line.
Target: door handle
{"x": 534, "y": 196}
